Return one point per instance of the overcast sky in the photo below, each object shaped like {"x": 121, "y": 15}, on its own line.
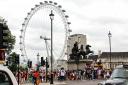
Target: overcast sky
{"x": 93, "y": 18}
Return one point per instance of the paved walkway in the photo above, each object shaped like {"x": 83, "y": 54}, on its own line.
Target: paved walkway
{"x": 39, "y": 84}
{"x": 55, "y": 83}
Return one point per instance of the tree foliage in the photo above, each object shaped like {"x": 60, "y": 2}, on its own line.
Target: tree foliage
{"x": 13, "y": 66}
{"x": 11, "y": 42}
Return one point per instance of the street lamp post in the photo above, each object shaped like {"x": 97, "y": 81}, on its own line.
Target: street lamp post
{"x": 38, "y": 58}
{"x": 38, "y": 55}
{"x": 110, "y": 35}
{"x": 51, "y": 18}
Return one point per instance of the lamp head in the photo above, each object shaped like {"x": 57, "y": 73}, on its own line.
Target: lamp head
{"x": 51, "y": 15}
{"x": 109, "y": 34}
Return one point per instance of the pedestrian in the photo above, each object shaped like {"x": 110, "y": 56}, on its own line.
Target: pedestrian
{"x": 107, "y": 74}
{"x": 62, "y": 74}
{"x": 36, "y": 78}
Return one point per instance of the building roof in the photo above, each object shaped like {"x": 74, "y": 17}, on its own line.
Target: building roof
{"x": 114, "y": 54}
{"x": 93, "y": 57}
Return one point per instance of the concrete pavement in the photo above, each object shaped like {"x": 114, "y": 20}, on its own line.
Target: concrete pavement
{"x": 55, "y": 83}
{"x": 73, "y": 82}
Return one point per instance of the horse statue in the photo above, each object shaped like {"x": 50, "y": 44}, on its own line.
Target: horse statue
{"x": 80, "y": 53}
{"x": 75, "y": 51}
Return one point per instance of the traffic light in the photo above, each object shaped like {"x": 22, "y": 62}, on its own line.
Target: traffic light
{"x": 29, "y": 64}
{"x": 47, "y": 65}
{"x": 17, "y": 59}
{"x": 42, "y": 61}
{"x": 3, "y": 36}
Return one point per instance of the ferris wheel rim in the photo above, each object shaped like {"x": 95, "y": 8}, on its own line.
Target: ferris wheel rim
{"x": 54, "y": 7}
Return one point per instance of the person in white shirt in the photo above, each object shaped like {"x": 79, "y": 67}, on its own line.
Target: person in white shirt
{"x": 62, "y": 74}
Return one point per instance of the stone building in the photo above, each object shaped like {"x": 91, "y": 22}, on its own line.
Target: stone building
{"x": 117, "y": 58}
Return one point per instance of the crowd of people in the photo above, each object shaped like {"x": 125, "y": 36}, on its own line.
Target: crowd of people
{"x": 33, "y": 76}
{"x": 37, "y": 77}
{"x": 88, "y": 73}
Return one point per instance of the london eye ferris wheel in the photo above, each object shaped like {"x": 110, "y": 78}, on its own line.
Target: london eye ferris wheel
{"x": 36, "y": 24}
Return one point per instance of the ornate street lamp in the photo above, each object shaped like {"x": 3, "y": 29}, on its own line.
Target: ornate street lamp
{"x": 110, "y": 35}
{"x": 51, "y": 18}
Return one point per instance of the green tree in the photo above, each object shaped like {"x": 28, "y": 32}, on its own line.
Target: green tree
{"x": 13, "y": 66}
{"x": 10, "y": 38}
{"x": 11, "y": 41}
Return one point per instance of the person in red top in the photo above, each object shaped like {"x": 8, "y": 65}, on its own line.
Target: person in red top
{"x": 36, "y": 77}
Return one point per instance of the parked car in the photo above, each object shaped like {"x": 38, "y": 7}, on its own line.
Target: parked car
{"x": 119, "y": 76}
{"x": 6, "y": 76}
